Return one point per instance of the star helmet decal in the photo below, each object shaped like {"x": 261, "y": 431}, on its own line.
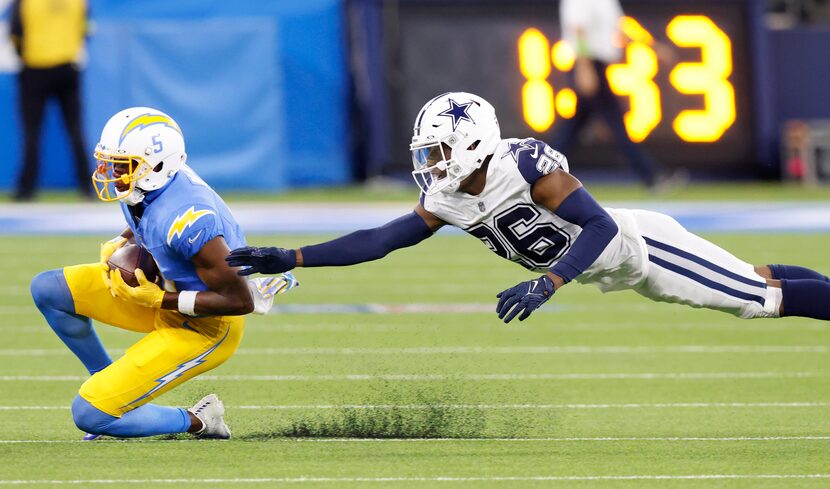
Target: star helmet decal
{"x": 458, "y": 112}
{"x": 515, "y": 148}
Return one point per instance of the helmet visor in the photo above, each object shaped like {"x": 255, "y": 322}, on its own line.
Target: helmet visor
{"x": 430, "y": 163}
{"x": 115, "y": 175}
{"x": 428, "y": 156}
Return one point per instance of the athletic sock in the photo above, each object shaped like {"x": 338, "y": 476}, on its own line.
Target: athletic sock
{"x": 149, "y": 420}
{"x": 806, "y": 298}
{"x": 52, "y": 296}
{"x": 794, "y": 272}
{"x": 146, "y": 420}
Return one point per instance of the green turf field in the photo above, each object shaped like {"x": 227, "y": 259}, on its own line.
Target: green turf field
{"x": 594, "y": 391}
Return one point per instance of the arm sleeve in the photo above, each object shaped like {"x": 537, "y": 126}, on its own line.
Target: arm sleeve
{"x": 598, "y": 229}
{"x": 368, "y": 244}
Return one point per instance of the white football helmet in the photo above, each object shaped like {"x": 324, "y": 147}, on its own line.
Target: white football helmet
{"x": 453, "y": 135}
{"x": 140, "y": 150}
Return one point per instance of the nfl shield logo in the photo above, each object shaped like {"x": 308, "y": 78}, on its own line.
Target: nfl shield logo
{"x": 481, "y": 206}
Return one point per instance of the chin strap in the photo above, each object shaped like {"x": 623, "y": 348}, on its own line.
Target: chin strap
{"x": 135, "y": 197}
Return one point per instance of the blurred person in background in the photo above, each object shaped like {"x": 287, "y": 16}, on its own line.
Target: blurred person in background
{"x": 592, "y": 28}
{"x": 49, "y": 38}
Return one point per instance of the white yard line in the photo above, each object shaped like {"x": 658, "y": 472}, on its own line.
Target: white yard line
{"x": 35, "y": 408}
{"x": 576, "y": 439}
{"x": 574, "y": 406}
{"x": 540, "y": 406}
{"x": 439, "y": 377}
{"x": 523, "y": 350}
{"x": 281, "y": 318}
{"x": 586, "y": 439}
{"x": 482, "y": 350}
{"x": 312, "y": 479}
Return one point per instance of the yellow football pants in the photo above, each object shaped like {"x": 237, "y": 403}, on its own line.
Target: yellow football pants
{"x": 175, "y": 348}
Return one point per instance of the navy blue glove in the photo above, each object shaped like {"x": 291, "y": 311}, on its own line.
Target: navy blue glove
{"x": 269, "y": 260}
{"x": 526, "y": 297}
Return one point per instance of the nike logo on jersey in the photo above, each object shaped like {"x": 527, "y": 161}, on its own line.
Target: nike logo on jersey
{"x": 194, "y": 238}
{"x": 184, "y": 221}
{"x": 533, "y": 286}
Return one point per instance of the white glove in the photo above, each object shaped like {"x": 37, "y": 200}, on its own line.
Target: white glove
{"x": 264, "y": 289}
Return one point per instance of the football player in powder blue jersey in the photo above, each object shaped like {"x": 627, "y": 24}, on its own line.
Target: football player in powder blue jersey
{"x": 191, "y": 322}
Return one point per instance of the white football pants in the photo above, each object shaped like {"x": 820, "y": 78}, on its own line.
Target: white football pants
{"x": 675, "y": 265}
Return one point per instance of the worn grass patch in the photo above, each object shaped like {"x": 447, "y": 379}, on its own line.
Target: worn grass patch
{"x": 390, "y": 412}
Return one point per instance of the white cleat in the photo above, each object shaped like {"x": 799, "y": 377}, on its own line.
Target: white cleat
{"x": 210, "y": 411}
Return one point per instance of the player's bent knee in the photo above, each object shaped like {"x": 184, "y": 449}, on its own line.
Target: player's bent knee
{"x": 49, "y": 290}
{"x": 771, "y": 308}
{"x": 90, "y": 419}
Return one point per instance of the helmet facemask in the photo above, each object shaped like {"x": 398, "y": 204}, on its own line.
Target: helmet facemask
{"x": 115, "y": 176}
{"x": 435, "y": 168}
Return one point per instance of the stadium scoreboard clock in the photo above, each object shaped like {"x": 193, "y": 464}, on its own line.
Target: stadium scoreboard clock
{"x": 696, "y": 110}
{"x": 634, "y": 77}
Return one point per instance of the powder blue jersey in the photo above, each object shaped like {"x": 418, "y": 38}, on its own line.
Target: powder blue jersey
{"x": 177, "y": 221}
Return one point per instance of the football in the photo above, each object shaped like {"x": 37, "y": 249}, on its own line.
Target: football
{"x": 128, "y": 258}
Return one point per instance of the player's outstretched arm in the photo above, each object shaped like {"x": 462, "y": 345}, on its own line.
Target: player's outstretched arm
{"x": 357, "y": 247}
{"x": 561, "y": 193}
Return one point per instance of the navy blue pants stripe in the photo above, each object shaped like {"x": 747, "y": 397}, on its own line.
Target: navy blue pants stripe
{"x": 705, "y": 281}
{"x": 700, "y": 261}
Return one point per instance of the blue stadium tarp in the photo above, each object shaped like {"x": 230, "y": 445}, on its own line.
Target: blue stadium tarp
{"x": 260, "y": 88}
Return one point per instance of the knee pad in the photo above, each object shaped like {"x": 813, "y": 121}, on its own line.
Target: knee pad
{"x": 88, "y": 418}
{"x": 770, "y": 309}
{"x": 49, "y": 290}
{"x": 54, "y": 300}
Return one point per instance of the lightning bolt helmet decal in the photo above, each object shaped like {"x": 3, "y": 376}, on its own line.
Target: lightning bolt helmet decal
{"x": 145, "y": 120}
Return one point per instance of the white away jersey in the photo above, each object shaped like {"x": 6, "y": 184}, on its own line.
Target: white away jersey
{"x": 505, "y": 218}
{"x": 651, "y": 253}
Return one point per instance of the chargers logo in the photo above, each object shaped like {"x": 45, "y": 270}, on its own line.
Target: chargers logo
{"x": 184, "y": 221}
{"x": 145, "y": 120}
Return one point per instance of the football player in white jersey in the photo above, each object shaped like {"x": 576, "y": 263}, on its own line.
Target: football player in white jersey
{"x": 517, "y": 197}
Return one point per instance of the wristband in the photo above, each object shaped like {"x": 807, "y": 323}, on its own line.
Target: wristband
{"x": 187, "y": 302}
